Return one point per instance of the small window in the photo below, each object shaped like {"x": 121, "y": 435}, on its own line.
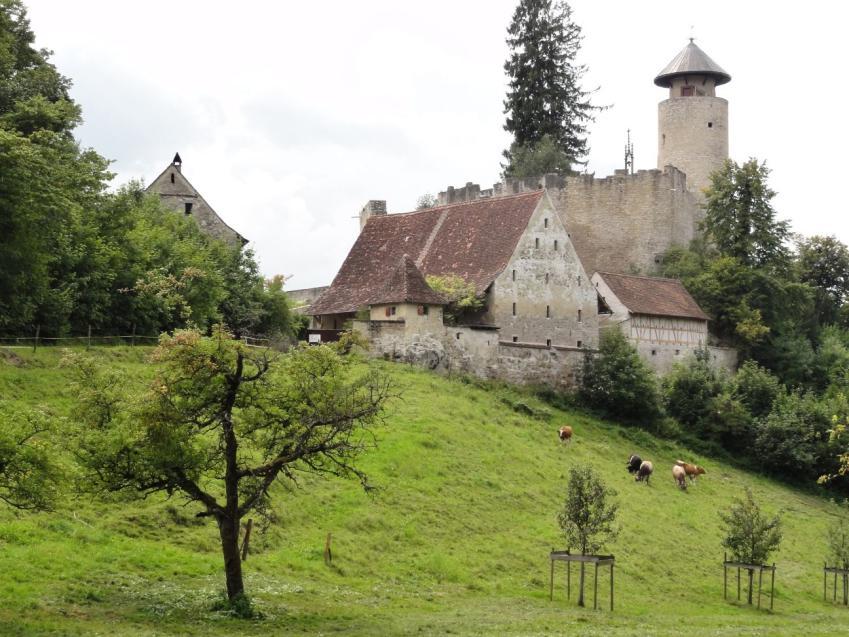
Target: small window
{"x": 546, "y": 222}
{"x": 172, "y": 178}
{"x": 580, "y": 343}
{"x": 654, "y": 352}
{"x": 514, "y": 309}
{"x": 710, "y": 124}
{"x": 422, "y": 310}
{"x": 388, "y": 312}
{"x": 188, "y": 207}
{"x": 555, "y": 244}
{"x": 688, "y": 91}
{"x": 515, "y": 339}
{"x": 458, "y": 336}
{"x": 579, "y": 280}
{"x": 546, "y": 277}
{"x": 548, "y": 342}
{"x": 677, "y": 352}
{"x": 536, "y": 243}
{"x": 579, "y": 317}
{"x": 547, "y": 311}
{"x": 392, "y": 310}
{"x": 514, "y": 275}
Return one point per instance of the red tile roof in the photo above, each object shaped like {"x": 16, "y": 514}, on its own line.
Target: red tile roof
{"x": 407, "y": 285}
{"x": 653, "y": 295}
{"x": 473, "y": 240}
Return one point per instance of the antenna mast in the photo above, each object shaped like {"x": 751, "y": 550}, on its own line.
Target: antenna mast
{"x": 629, "y": 154}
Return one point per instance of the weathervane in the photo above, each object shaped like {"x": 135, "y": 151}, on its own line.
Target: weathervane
{"x": 629, "y": 154}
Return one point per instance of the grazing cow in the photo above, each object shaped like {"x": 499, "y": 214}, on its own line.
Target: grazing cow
{"x": 680, "y": 476}
{"x": 634, "y": 462}
{"x": 565, "y": 434}
{"x": 644, "y": 472}
{"x": 692, "y": 470}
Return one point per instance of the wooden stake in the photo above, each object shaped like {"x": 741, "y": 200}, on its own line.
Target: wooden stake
{"x": 569, "y": 580}
{"x": 133, "y": 337}
{"x": 611, "y": 586}
{"x": 88, "y": 342}
{"x": 551, "y": 585}
{"x": 824, "y": 582}
{"x": 772, "y": 587}
{"x": 247, "y": 540}
{"x": 834, "y": 598}
{"x": 724, "y": 576}
{"x": 738, "y": 583}
{"x": 595, "y": 588}
{"x": 760, "y": 581}
{"x": 35, "y": 342}
{"x": 328, "y": 555}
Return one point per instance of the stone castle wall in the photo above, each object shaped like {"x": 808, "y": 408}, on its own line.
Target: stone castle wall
{"x": 622, "y": 223}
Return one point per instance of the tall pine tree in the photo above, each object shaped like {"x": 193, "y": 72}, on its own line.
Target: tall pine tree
{"x": 545, "y": 103}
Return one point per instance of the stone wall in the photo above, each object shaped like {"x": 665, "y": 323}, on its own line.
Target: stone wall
{"x": 303, "y": 298}
{"x": 621, "y": 223}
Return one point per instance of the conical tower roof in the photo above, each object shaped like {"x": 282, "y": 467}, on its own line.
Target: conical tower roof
{"x": 407, "y": 285}
{"x": 691, "y": 61}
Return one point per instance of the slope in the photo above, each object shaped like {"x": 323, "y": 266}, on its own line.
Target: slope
{"x": 454, "y": 541}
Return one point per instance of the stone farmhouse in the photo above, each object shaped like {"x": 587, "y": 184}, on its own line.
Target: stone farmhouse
{"x": 177, "y": 193}
{"x": 544, "y": 254}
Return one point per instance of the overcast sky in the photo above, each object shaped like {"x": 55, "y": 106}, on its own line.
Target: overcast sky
{"x": 289, "y": 116}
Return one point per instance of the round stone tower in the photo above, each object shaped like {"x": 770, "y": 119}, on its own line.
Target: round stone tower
{"x": 692, "y": 131}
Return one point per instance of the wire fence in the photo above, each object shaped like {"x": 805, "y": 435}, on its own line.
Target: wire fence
{"x": 92, "y": 340}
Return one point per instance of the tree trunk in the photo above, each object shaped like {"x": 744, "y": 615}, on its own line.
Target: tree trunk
{"x": 751, "y": 581}
{"x": 229, "y": 531}
{"x": 581, "y": 593}
{"x": 845, "y": 589}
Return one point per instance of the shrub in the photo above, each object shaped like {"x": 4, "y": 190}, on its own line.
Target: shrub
{"x": 688, "y": 391}
{"x": 756, "y": 388}
{"x": 618, "y": 383}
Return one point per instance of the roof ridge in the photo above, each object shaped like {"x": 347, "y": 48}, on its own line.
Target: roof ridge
{"x": 463, "y": 203}
{"x": 640, "y": 276}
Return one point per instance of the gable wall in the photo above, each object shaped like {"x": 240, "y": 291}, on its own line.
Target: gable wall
{"x": 568, "y": 289}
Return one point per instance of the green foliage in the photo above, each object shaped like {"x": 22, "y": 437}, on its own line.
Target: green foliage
{"x": 837, "y": 537}
{"x": 220, "y": 423}
{"x": 823, "y": 263}
{"x": 756, "y": 388}
{"x": 750, "y": 535}
{"x": 29, "y": 473}
{"x": 463, "y": 299}
{"x": 740, "y": 219}
{"x": 544, "y": 97}
{"x": 426, "y": 201}
{"x": 589, "y": 513}
{"x": 537, "y": 158}
{"x": 617, "y": 382}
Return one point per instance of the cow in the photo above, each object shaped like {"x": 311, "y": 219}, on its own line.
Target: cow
{"x": 634, "y": 462}
{"x": 692, "y": 470}
{"x": 680, "y": 476}
{"x": 644, "y": 472}
{"x": 565, "y": 434}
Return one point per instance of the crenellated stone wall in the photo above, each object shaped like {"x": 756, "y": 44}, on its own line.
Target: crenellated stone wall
{"x": 621, "y": 223}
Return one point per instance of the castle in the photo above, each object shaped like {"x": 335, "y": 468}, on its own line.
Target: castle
{"x": 556, "y": 259}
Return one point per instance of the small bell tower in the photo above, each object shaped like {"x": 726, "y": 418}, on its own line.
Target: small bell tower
{"x": 692, "y": 130}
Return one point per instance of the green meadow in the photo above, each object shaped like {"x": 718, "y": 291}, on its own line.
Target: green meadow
{"x": 454, "y": 541}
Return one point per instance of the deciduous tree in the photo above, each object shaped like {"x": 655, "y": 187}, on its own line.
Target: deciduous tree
{"x": 220, "y": 423}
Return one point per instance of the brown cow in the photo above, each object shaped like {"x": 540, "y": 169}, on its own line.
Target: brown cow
{"x": 692, "y": 470}
{"x": 680, "y": 476}
{"x": 565, "y": 434}
{"x": 644, "y": 472}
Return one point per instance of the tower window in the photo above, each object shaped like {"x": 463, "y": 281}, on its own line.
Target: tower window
{"x": 514, "y": 309}
{"x": 514, "y": 275}
{"x": 580, "y": 343}
{"x": 546, "y": 222}
{"x": 536, "y": 243}
{"x": 710, "y": 124}
{"x": 555, "y": 244}
{"x": 688, "y": 91}
{"x": 579, "y": 317}
{"x": 547, "y": 311}
{"x": 548, "y": 342}
{"x": 172, "y": 178}
{"x": 546, "y": 277}
{"x": 188, "y": 207}
{"x": 515, "y": 339}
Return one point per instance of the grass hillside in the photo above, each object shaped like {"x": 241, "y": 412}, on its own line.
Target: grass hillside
{"x": 455, "y": 541}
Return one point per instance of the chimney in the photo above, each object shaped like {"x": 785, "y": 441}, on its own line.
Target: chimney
{"x": 375, "y": 207}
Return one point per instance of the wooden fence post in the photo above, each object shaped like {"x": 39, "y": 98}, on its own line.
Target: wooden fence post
{"x": 551, "y": 585}
{"x": 824, "y": 581}
{"x": 328, "y": 554}
{"x": 569, "y": 580}
{"x": 611, "y": 586}
{"x": 772, "y": 587}
{"x": 724, "y": 576}
{"x": 133, "y": 337}
{"x": 595, "y": 588}
{"x": 760, "y": 582}
{"x": 35, "y": 342}
{"x": 738, "y": 583}
{"x": 88, "y": 342}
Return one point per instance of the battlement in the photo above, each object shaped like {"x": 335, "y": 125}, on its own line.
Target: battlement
{"x": 559, "y": 181}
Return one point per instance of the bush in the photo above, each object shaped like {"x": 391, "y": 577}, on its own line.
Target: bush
{"x": 756, "y": 388}
{"x": 688, "y": 391}
{"x": 618, "y": 383}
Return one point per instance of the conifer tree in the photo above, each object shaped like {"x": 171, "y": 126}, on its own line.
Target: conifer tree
{"x": 545, "y": 98}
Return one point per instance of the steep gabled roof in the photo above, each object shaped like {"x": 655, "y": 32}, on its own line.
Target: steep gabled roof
{"x": 653, "y": 295}
{"x": 473, "y": 240}
{"x": 691, "y": 61}
{"x": 407, "y": 285}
